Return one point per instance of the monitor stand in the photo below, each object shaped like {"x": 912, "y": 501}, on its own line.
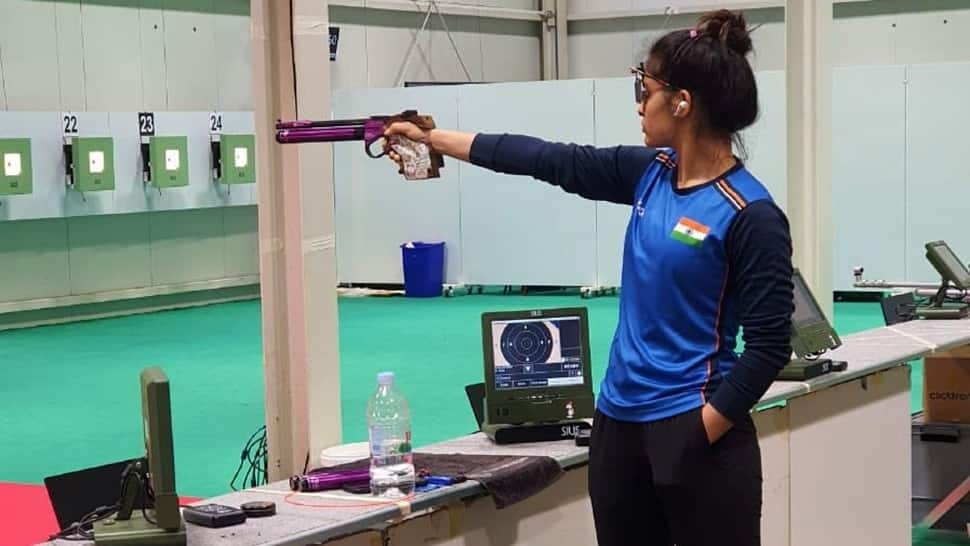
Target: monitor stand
{"x": 129, "y": 527}
{"x": 136, "y": 531}
{"x": 949, "y": 311}
{"x": 940, "y": 309}
{"x": 534, "y": 432}
{"x": 803, "y": 370}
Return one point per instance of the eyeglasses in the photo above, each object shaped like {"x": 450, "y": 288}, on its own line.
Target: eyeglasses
{"x": 639, "y": 72}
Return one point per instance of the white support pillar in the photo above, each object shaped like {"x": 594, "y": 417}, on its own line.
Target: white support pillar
{"x": 296, "y": 235}
{"x": 808, "y": 24}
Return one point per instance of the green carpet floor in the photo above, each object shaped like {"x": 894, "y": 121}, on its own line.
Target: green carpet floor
{"x": 70, "y": 392}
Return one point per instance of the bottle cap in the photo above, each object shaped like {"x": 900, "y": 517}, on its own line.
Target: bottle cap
{"x": 385, "y": 378}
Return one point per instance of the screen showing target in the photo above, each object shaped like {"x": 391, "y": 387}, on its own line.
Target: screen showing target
{"x": 537, "y": 353}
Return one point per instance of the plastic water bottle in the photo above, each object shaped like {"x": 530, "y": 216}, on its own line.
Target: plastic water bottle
{"x": 389, "y": 421}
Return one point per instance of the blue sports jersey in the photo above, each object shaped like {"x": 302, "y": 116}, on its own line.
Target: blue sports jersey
{"x": 698, "y": 264}
{"x": 675, "y": 339}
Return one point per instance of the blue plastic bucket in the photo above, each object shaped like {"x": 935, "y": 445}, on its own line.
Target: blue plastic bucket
{"x": 424, "y": 266}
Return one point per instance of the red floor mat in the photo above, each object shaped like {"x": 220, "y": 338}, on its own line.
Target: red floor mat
{"x": 27, "y": 514}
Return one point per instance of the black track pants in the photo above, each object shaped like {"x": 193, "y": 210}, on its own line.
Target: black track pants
{"x": 662, "y": 483}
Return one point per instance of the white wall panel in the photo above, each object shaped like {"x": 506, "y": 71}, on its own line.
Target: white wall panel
{"x": 445, "y": 63}
{"x": 617, "y": 123}
{"x": 584, "y": 7}
{"x": 112, "y": 57}
{"x": 868, "y": 173}
{"x": 242, "y": 241}
{"x": 348, "y": 71}
{"x": 191, "y": 63}
{"x": 516, "y": 230}
{"x": 29, "y": 44}
{"x": 600, "y": 49}
{"x": 109, "y": 252}
{"x": 234, "y": 57}
{"x": 646, "y": 30}
{"x": 187, "y": 246}
{"x": 936, "y": 151}
{"x": 153, "y": 67}
{"x": 387, "y": 40}
{"x": 765, "y": 140}
{"x": 769, "y": 40}
{"x": 377, "y": 209}
{"x": 510, "y": 51}
{"x": 514, "y": 4}
{"x": 3, "y": 83}
{"x": 35, "y": 260}
{"x": 932, "y": 36}
{"x": 878, "y": 47}
{"x": 606, "y": 47}
{"x": 70, "y": 57}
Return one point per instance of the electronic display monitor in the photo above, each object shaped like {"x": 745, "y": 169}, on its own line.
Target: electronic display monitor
{"x": 537, "y": 365}
{"x": 537, "y": 353}
{"x": 946, "y": 263}
{"x": 811, "y": 331}
{"x": 807, "y": 310}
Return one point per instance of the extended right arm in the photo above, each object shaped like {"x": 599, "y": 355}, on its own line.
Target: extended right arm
{"x": 604, "y": 174}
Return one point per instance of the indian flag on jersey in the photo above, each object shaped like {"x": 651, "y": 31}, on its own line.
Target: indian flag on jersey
{"x": 690, "y": 232}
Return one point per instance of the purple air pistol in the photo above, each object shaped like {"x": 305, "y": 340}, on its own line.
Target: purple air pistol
{"x": 370, "y": 130}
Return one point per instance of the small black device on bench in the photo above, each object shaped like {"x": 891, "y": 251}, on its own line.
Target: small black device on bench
{"x": 213, "y": 515}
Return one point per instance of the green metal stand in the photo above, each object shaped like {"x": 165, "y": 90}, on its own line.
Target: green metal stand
{"x": 136, "y": 531}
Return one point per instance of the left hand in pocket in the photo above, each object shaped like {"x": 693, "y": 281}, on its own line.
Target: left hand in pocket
{"x": 715, "y": 424}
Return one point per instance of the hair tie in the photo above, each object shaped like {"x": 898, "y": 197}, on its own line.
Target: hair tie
{"x": 693, "y": 33}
